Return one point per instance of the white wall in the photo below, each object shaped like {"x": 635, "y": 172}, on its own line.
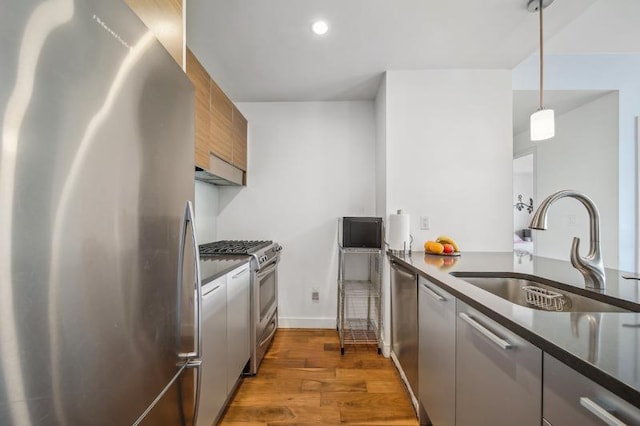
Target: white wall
{"x": 309, "y": 163}
{"x": 581, "y": 157}
{"x": 381, "y": 203}
{"x": 381, "y": 148}
{"x": 450, "y": 154}
{"x": 206, "y": 211}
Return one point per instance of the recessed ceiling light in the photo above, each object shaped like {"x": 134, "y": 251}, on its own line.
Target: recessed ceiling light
{"x": 320, "y": 27}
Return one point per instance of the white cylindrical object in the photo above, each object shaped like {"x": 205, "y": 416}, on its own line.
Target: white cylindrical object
{"x": 399, "y": 232}
{"x": 542, "y": 124}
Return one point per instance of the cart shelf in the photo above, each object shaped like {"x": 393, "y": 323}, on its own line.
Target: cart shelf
{"x": 359, "y": 316}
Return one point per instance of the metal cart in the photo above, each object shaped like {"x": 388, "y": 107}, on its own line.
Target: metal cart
{"x": 359, "y": 300}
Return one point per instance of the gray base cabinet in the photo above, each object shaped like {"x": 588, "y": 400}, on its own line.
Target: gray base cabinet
{"x": 570, "y": 399}
{"x": 213, "y": 388}
{"x": 498, "y": 374}
{"x": 225, "y": 340}
{"x": 238, "y": 323}
{"x": 437, "y": 352}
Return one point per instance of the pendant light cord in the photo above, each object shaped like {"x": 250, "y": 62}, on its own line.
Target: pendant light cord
{"x": 541, "y": 59}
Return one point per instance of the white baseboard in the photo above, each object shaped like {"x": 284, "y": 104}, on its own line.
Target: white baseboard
{"x": 306, "y": 323}
{"x": 386, "y": 349}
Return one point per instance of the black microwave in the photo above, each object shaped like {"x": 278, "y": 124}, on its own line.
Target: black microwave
{"x": 360, "y": 232}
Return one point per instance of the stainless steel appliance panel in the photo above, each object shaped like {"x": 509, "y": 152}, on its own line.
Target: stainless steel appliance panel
{"x": 96, "y": 164}
{"x": 437, "y": 355}
{"x": 404, "y": 321}
{"x": 267, "y": 279}
{"x": 264, "y": 340}
{"x": 264, "y": 311}
{"x": 569, "y": 398}
{"x": 495, "y": 365}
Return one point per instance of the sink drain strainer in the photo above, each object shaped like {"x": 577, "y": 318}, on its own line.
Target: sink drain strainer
{"x": 543, "y": 298}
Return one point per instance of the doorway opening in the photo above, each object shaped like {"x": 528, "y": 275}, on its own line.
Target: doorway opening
{"x": 523, "y": 195}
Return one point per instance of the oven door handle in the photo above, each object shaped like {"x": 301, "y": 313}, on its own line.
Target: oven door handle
{"x": 266, "y": 271}
{"x": 268, "y": 338}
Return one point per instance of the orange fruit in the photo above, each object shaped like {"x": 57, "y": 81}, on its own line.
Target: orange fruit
{"x": 434, "y": 247}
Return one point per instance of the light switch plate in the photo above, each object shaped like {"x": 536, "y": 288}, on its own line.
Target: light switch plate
{"x": 424, "y": 222}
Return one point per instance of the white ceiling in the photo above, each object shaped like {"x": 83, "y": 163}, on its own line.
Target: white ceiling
{"x": 260, "y": 50}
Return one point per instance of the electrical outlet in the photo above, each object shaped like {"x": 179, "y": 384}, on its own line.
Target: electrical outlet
{"x": 315, "y": 295}
{"x": 424, "y": 222}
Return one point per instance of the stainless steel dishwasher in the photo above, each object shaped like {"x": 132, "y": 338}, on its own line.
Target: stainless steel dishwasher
{"x": 404, "y": 322}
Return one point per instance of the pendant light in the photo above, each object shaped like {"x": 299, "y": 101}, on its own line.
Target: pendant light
{"x": 542, "y": 121}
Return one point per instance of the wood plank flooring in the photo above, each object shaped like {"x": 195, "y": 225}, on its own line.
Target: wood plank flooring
{"x": 304, "y": 380}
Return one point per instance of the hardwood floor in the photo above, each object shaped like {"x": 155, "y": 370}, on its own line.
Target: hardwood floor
{"x": 304, "y": 380}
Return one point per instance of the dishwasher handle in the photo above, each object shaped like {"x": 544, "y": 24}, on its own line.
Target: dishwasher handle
{"x": 600, "y": 412}
{"x": 485, "y": 331}
{"x": 402, "y": 269}
{"x": 434, "y": 294}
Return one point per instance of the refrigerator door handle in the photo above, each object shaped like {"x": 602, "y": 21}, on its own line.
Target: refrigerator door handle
{"x": 192, "y": 359}
{"x": 188, "y": 222}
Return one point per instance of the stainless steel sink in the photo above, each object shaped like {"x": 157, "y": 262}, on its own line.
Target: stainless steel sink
{"x": 511, "y": 289}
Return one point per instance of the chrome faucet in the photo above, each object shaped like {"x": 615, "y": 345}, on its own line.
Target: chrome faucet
{"x": 591, "y": 266}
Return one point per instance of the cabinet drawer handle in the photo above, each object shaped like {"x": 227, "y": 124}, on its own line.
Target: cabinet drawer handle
{"x": 211, "y": 290}
{"x": 485, "y": 331}
{"x": 240, "y": 273}
{"x": 600, "y": 412}
{"x": 434, "y": 294}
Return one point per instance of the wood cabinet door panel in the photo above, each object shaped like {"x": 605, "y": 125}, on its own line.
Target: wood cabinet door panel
{"x": 239, "y": 140}
{"x": 164, "y": 19}
{"x": 220, "y": 103}
{"x": 200, "y": 79}
{"x": 221, "y": 134}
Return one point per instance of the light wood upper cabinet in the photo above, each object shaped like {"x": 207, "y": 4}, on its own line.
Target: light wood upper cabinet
{"x": 201, "y": 82}
{"x": 164, "y": 19}
{"x": 221, "y": 130}
{"x": 221, "y": 124}
{"x": 239, "y": 138}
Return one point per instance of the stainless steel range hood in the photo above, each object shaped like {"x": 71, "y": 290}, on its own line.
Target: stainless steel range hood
{"x": 220, "y": 173}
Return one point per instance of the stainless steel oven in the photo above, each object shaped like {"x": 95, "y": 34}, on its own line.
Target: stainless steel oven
{"x": 265, "y": 305}
{"x": 264, "y": 290}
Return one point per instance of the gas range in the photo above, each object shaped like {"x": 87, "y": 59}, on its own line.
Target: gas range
{"x": 264, "y": 288}
{"x": 261, "y": 250}
{"x": 232, "y": 247}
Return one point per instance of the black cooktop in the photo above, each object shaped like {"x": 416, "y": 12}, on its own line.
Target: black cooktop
{"x": 232, "y": 247}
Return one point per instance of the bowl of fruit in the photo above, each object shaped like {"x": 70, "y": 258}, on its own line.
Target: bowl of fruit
{"x": 442, "y": 246}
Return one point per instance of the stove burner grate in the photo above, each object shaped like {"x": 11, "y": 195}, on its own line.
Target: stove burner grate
{"x": 232, "y": 247}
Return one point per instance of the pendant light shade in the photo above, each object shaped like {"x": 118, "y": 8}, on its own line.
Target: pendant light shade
{"x": 542, "y": 123}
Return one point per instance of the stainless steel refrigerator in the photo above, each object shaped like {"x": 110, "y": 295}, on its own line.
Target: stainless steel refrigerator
{"x": 97, "y": 252}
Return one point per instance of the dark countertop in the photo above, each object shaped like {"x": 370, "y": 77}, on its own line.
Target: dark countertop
{"x": 608, "y": 353}
{"x": 216, "y": 266}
